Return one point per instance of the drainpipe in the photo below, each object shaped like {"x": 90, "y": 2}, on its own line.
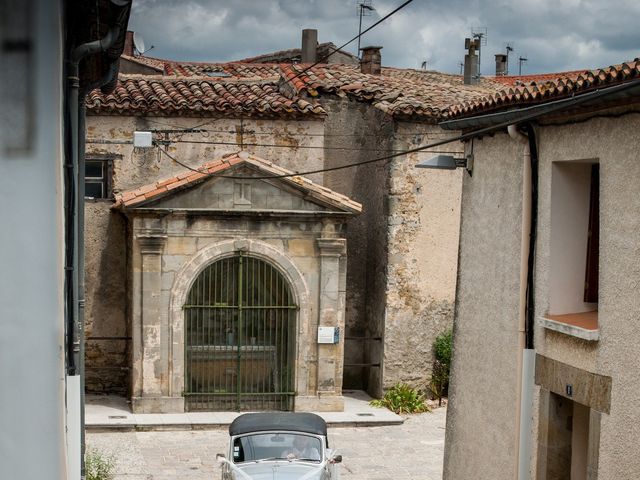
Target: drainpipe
{"x": 526, "y": 358}
{"x": 75, "y": 218}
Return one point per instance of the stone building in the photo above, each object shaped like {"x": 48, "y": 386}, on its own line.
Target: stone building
{"x": 402, "y": 248}
{"x": 552, "y": 394}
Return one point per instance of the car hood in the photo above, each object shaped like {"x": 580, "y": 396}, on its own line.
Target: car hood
{"x": 281, "y": 470}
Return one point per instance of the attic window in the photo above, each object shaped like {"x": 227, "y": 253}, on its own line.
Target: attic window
{"x": 216, "y": 74}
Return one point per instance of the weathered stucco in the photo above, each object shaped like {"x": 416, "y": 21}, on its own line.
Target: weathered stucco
{"x": 422, "y": 235}
{"x": 484, "y": 387}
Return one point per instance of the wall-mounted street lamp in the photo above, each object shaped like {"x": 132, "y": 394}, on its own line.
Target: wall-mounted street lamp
{"x": 447, "y": 162}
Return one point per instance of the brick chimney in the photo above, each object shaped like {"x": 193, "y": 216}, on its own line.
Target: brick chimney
{"x": 371, "y": 60}
{"x": 501, "y": 64}
{"x": 309, "y": 45}
{"x": 128, "y": 44}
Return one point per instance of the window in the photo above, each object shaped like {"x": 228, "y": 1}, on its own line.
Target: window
{"x": 97, "y": 178}
{"x": 573, "y": 266}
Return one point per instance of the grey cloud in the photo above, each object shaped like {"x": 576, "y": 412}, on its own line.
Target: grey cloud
{"x": 554, "y": 35}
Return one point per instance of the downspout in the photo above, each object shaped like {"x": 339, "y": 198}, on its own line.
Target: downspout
{"x": 526, "y": 358}
{"x": 76, "y": 263}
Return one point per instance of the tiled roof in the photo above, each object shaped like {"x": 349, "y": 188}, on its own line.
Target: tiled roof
{"x": 189, "y": 178}
{"x": 398, "y": 92}
{"x": 201, "y": 69}
{"x": 537, "y": 92}
{"x": 188, "y": 95}
{"x": 515, "y": 80}
{"x": 324, "y": 51}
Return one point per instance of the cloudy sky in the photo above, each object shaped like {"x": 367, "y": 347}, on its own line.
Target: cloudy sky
{"x": 554, "y": 35}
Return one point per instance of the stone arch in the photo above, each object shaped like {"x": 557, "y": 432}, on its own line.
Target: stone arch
{"x": 192, "y": 269}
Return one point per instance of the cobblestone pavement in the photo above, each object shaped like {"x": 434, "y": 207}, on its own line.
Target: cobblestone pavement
{"x": 413, "y": 450}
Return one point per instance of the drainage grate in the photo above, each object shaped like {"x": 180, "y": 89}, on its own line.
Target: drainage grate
{"x": 365, "y": 414}
{"x": 117, "y": 417}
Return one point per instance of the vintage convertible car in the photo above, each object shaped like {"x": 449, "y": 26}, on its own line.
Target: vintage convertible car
{"x": 279, "y": 446}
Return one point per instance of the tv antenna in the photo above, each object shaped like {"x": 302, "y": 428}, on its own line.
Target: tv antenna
{"x": 424, "y": 65}
{"x": 509, "y": 49}
{"x": 365, "y": 9}
{"x": 138, "y": 44}
{"x": 521, "y": 60}
{"x": 480, "y": 34}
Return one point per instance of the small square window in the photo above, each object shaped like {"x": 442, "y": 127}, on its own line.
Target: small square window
{"x": 97, "y": 178}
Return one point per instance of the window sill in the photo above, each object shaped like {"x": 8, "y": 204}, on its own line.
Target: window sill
{"x": 581, "y": 325}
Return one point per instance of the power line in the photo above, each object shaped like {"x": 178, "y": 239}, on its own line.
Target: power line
{"x": 311, "y": 172}
{"x": 266, "y": 145}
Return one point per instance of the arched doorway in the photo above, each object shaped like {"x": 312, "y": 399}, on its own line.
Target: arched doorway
{"x": 240, "y": 332}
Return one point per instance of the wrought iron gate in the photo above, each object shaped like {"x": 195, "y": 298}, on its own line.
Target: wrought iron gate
{"x": 239, "y": 338}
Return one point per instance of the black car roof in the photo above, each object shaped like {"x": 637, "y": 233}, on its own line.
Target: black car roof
{"x": 294, "y": 421}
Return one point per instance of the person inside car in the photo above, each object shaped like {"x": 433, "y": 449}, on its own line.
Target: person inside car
{"x": 302, "y": 449}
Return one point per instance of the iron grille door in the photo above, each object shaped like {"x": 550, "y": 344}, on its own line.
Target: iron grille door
{"x": 239, "y": 338}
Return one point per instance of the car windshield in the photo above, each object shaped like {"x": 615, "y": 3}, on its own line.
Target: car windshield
{"x": 290, "y": 446}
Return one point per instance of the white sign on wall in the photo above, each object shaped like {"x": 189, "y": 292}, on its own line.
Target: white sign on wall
{"x": 328, "y": 334}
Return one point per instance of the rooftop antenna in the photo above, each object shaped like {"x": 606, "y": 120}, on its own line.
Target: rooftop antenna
{"x": 364, "y": 10}
{"x": 479, "y": 33}
{"x": 461, "y": 65}
{"x": 509, "y": 49}
{"x": 521, "y": 60}
{"x": 424, "y": 65}
{"x": 138, "y": 44}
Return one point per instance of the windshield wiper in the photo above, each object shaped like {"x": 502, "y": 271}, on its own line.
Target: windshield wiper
{"x": 270, "y": 459}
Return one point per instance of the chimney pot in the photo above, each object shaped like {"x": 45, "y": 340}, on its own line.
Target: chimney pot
{"x": 128, "y": 44}
{"x": 501, "y": 64}
{"x": 309, "y": 45}
{"x": 371, "y": 60}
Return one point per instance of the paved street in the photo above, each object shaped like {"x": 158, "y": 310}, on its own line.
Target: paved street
{"x": 413, "y": 450}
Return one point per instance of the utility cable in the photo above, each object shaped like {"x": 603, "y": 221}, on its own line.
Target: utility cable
{"x": 309, "y": 172}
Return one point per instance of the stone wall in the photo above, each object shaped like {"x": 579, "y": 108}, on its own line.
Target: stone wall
{"x": 422, "y": 235}
{"x": 293, "y": 144}
{"x": 355, "y": 132}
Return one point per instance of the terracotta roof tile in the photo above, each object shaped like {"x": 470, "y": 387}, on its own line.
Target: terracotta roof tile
{"x": 398, "y": 92}
{"x": 163, "y": 187}
{"x": 175, "y": 96}
{"x": 542, "y": 89}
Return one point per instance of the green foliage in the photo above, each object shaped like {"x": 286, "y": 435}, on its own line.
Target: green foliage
{"x": 98, "y": 466}
{"x": 442, "y": 347}
{"x": 401, "y": 398}
{"x": 439, "y": 383}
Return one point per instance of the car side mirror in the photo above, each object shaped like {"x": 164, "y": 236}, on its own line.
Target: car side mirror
{"x": 220, "y": 458}
{"x": 336, "y": 459}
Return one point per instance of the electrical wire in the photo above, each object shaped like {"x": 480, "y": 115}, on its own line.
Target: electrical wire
{"x": 265, "y": 145}
{"x": 309, "y": 172}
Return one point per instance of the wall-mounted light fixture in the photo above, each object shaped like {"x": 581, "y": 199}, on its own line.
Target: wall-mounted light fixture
{"x": 448, "y": 162}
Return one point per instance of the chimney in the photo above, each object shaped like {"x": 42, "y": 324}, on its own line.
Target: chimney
{"x": 471, "y": 72}
{"x": 128, "y": 44}
{"x": 309, "y": 45}
{"x": 371, "y": 60}
{"x": 501, "y": 64}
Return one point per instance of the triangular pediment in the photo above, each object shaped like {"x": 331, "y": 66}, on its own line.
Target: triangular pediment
{"x": 238, "y": 182}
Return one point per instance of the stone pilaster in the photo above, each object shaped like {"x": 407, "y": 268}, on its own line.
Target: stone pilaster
{"x": 150, "y": 336}
{"x": 330, "y": 356}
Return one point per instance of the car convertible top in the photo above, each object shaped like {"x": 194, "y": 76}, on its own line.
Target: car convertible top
{"x": 288, "y": 421}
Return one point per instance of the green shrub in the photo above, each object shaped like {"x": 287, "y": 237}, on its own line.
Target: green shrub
{"x": 401, "y": 398}
{"x": 439, "y": 383}
{"x": 442, "y": 347}
{"x": 98, "y": 466}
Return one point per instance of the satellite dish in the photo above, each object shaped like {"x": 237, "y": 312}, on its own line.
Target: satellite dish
{"x": 138, "y": 42}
